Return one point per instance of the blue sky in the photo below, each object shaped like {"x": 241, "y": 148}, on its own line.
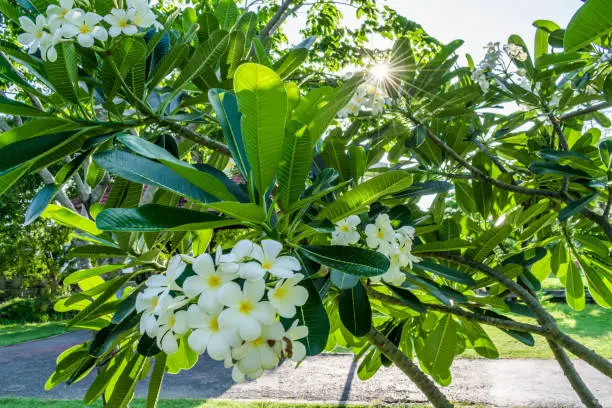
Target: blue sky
{"x": 475, "y": 21}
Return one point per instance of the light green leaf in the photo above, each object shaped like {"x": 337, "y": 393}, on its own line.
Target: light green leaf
{"x": 437, "y": 246}
{"x": 591, "y": 21}
{"x": 262, "y": 100}
{"x": 575, "y": 207}
{"x": 64, "y": 216}
{"x": 295, "y": 164}
{"x": 574, "y": 288}
{"x": 63, "y": 73}
{"x": 439, "y": 350}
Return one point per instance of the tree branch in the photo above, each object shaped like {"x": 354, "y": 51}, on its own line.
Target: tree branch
{"x": 585, "y": 111}
{"x": 197, "y": 138}
{"x": 276, "y": 20}
{"x": 431, "y": 391}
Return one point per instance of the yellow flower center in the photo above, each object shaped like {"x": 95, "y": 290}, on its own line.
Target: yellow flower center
{"x": 172, "y": 321}
{"x": 39, "y": 34}
{"x": 154, "y": 302}
{"x": 380, "y": 234}
{"x": 245, "y": 307}
{"x": 258, "y": 341}
{"x": 137, "y": 20}
{"x": 280, "y": 293}
{"x": 84, "y": 29}
{"x": 214, "y": 281}
{"x": 123, "y": 23}
{"x": 344, "y": 228}
{"x": 266, "y": 265}
{"x": 213, "y": 325}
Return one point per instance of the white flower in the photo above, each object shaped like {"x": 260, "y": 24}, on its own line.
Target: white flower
{"x": 261, "y": 353}
{"x": 171, "y": 325}
{"x": 394, "y": 275}
{"x": 57, "y": 14}
{"x": 226, "y": 263}
{"x": 245, "y": 311}
{"x": 34, "y": 32}
{"x": 269, "y": 261}
{"x": 167, "y": 281}
{"x": 47, "y": 46}
{"x": 206, "y": 282}
{"x": 143, "y": 17}
{"x": 292, "y": 348}
{"x": 151, "y": 303}
{"x": 380, "y": 234}
{"x": 207, "y": 335}
{"x": 84, "y": 26}
{"x": 346, "y": 231}
{"x": 481, "y": 79}
{"x": 287, "y": 294}
{"x": 516, "y": 52}
{"x": 119, "y": 21}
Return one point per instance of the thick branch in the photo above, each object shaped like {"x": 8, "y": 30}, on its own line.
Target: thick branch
{"x": 433, "y": 394}
{"x": 585, "y": 111}
{"x": 491, "y": 321}
{"x": 278, "y": 17}
{"x": 547, "y": 321}
{"x": 197, "y": 138}
{"x": 493, "y": 157}
{"x": 587, "y": 398}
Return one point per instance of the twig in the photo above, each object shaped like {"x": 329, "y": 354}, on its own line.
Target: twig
{"x": 585, "y": 111}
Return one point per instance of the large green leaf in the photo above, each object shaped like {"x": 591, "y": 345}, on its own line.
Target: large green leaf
{"x": 143, "y": 171}
{"x": 481, "y": 342}
{"x": 227, "y": 13}
{"x": 445, "y": 271}
{"x": 262, "y": 100}
{"x": 355, "y": 311}
{"x": 352, "y": 260}
{"x": 575, "y": 207}
{"x": 124, "y": 57}
{"x": 63, "y": 73}
{"x": 64, "y": 216}
{"x": 295, "y": 164}
{"x": 167, "y": 64}
{"x": 439, "y": 349}
{"x": 82, "y": 274}
{"x": 591, "y": 21}
{"x": 13, "y": 107}
{"x": 366, "y": 193}
{"x": 23, "y": 151}
{"x": 290, "y": 61}
{"x": 34, "y": 128}
{"x": 574, "y": 288}
{"x": 155, "y": 382}
{"x": 155, "y": 217}
{"x": 226, "y": 109}
{"x": 205, "y": 57}
{"x": 8, "y": 178}
{"x": 203, "y": 180}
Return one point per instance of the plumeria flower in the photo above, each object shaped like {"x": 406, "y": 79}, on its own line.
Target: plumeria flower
{"x": 394, "y": 275}
{"x": 84, "y": 27}
{"x": 269, "y": 261}
{"x": 34, "y": 32}
{"x": 206, "y": 283}
{"x": 171, "y": 325}
{"x": 287, "y": 294}
{"x": 47, "y": 46}
{"x": 259, "y": 354}
{"x": 167, "y": 281}
{"x": 57, "y": 14}
{"x": 150, "y": 303}
{"x": 208, "y": 336}
{"x": 245, "y": 310}
{"x": 516, "y": 52}
{"x": 292, "y": 347}
{"x": 346, "y": 231}
{"x": 380, "y": 234}
{"x": 226, "y": 263}
{"x": 119, "y": 21}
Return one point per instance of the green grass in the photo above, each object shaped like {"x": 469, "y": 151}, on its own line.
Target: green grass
{"x": 178, "y": 403}
{"x": 591, "y": 327}
{"x": 13, "y": 333}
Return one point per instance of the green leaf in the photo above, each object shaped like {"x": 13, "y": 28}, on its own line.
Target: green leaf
{"x": 184, "y": 359}
{"x": 226, "y": 109}
{"x": 104, "y": 339}
{"x": 366, "y": 193}
{"x": 234, "y": 56}
{"x": 481, "y": 342}
{"x": 63, "y": 73}
{"x": 445, "y": 271}
{"x": 208, "y": 23}
{"x": 70, "y": 219}
{"x": 334, "y": 154}
{"x": 591, "y": 21}
{"x": 439, "y": 349}
{"x": 355, "y": 311}
{"x": 313, "y": 315}
{"x": 290, "y": 62}
{"x": 295, "y": 163}
{"x": 12, "y": 107}
{"x": 575, "y": 207}
{"x": 154, "y": 217}
{"x": 83, "y": 274}
{"x": 123, "y": 392}
{"x": 408, "y": 298}
{"x": 155, "y": 382}
{"x": 8, "y": 178}
{"x": 96, "y": 251}
{"x": 129, "y": 52}
{"x": 352, "y": 260}
{"x": 227, "y": 13}
{"x": 402, "y": 60}
{"x": 167, "y": 64}
{"x": 358, "y": 161}
{"x": 343, "y": 280}
{"x": 205, "y": 57}
{"x": 599, "y": 287}
{"x": 40, "y": 202}
{"x": 442, "y": 246}
{"x": 140, "y": 170}
{"x": 262, "y": 100}
{"x": 574, "y": 288}
{"x": 147, "y": 346}
{"x": 486, "y": 242}
{"x": 200, "y": 179}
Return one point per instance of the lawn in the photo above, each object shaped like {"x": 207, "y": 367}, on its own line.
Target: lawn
{"x": 178, "y": 403}
{"x": 13, "y": 333}
{"x": 592, "y": 327}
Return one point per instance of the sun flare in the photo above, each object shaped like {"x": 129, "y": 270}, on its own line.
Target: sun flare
{"x": 380, "y": 71}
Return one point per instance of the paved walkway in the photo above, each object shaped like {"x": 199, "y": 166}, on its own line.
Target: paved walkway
{"x": 25, "y": 367}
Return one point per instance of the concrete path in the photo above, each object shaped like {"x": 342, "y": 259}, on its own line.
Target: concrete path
{"x": 24, "y": 369}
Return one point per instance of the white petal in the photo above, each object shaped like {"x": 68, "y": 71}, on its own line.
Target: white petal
{"x": 194, "y": 285}
{"x": 100, "y": 33}
{"x": 299, "y": 351}
{"x": 204, "y": 265}
{"x": 299, "y": 295}
{"x": 130, "y": 30}
{"x": 196, "y": 318}
{"x": 230, "y": 294}
{"x": 237, "y": 375}
{"x": 254, "y": 290}
{"x": 242, "y": 249}
{"x": 288, "y": 262}
{"x": 85, "y": 40}
{"x": 69, "y": 31}
{"x": 286, "y": 310}
{"x": 26, "y": 38}
{"x": 198, "y": 340}
{"x": 180, "y": 322}
{"x": 52, "y": 54}
{"x": 264, "y": 312}
{"x": 114, "y": 31}
{"x": 218, "y": 348}
{"x": 353, "y": 220}
{"x": 271, "y": 248}
{"x": 209, "y": 301}
{"x": 168, "y": 343}
{"x": 27, "y": 24}
{"x": 251, "y": 271}
{"x": 249, "y": 329}
{"x": 297, "y": 332}
{"x": 268, "y": 359}
{"x": 229, "y": 319}
{"x": 257, "y": 253}
{"x": 112, "y": 19}
{"x": 282, "y": 272}
{"x": 66, "y": 4}
{"x": 91, "y": 19}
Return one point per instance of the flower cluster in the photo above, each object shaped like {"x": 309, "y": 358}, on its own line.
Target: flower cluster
{"x": 381, "y": 236}
{"x": 492, "y": 59}
{"x": 369, "y": 97}
{"x": 225, "y": 308}
{"x": 64, "y": 22}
